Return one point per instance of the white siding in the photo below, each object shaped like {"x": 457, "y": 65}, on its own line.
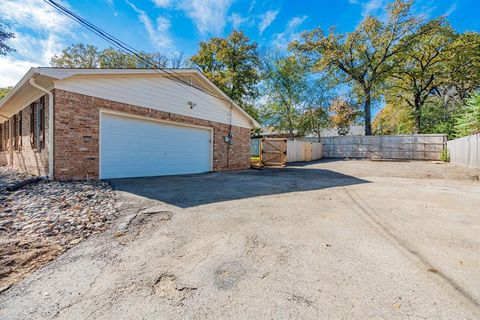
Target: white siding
{"x": 132, "y": 147}
{"x": 155, "y": 92}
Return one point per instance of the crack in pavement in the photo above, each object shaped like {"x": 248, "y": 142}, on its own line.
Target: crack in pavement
{"x": 369, "y": 213}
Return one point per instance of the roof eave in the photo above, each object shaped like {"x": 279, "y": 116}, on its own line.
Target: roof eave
{"x": 224, "y": 95}
{"x": 20, "y": 84}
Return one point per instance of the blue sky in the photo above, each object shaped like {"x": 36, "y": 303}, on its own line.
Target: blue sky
{"x": 179, "y": 25}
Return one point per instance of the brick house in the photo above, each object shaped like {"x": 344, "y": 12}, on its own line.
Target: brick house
{"x": 114, "y": 123}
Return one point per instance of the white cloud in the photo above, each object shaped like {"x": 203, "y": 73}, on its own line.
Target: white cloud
{"x": 451, "y": 9}
{"x": 209, "y": 16}
{"x": 158, "y": 33}
{"x": 295, "y": 22}
{"x": 39, "y": 29}
{"x": 281, "y": 40}
{"x": 237, "y": 20}
{"x": 371, "y": 7}
{"x": 111, "y": 4}
{"x": 266, "y": 19}
{"x": 162, "y": 3}
{"x": 12, "y": 70}
{"x": 36, "y": 14}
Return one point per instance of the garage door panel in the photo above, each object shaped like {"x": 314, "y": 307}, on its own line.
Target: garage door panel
{"x": 133, "y": 147}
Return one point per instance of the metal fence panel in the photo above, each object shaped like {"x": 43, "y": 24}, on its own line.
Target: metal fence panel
{"x": 402, "y": 147}
{"x": 465, "y": 151}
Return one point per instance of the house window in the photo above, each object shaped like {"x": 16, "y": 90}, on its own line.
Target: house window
{"x": 4, "y": 136}
{"x": 17, "y": 131}
{"x": 37, "y": 124}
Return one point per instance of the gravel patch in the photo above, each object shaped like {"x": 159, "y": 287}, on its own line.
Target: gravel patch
{"x": 43, "y": 219}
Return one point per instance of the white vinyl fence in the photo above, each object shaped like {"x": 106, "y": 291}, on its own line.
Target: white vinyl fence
{"x": 465, "y": 151}
{"x": 303, "y": 151}
{"x": 404, "y": 147}
{"x": 255, "y": 146}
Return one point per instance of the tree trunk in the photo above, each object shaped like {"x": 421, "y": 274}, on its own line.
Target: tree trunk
{"x": 368, "y": 116}
{"x": 418, "y": 120}
{"x": 418, "y": 116}
{"x": 290, "y": 123}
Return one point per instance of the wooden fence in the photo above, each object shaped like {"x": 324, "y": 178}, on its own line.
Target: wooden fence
{"x": 465, "y": 151}
{"x": 303, "y": 151}
{"x": 402, "y": 147}
{"x": 273, "y": 151}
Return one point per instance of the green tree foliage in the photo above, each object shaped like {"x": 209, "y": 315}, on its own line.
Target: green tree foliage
{"x": 4, "y": 91}
{"x": 364, "y": 57}
{"x": 343, "y": 116}
{"x": 314, "y": 120}
{"x": 420, "y": 69}
{"x": 77, "y": 56}
{"x": 394, "y": 119}
{"x": 87, "y": 56}
{"x": 112, "y": 58}
{"x": 232, "y": 64}
{"x": 439, "y": 117}
{"x": 462, "y": 68}
{"x": 5, "y": 34}
{"x": 468, "y": 122}
{"x": 320, "y": 92}
{"x": 285, "y": 85}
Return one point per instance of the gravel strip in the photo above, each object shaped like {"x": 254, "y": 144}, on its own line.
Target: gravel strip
{"x": 43, "y": 219}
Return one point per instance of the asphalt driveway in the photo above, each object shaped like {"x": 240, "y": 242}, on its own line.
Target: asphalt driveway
{"x": 328, "y": 240}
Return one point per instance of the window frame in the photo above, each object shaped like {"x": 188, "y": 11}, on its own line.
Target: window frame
{"x": 2, "y": 136}
{"x": 37, "y": 124}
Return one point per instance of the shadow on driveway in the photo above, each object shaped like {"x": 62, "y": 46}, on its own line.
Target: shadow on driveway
{"x": 193, "y": 190}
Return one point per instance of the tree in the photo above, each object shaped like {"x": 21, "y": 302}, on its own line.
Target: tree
{"x": 394, "y": 118}
{"x": 112, "y": 58}
{"x": 364, "y": 57}
{"x": 315, "y": 120}
{"x": 462, "y": 75}
{"x": 343, "y": 116}
{"x": 420, "y": 69}
{"x": 469, "y": 120}
{"x": 4, "y": 36}
{"x": 285, "y": 84}
{"x": 4, "y": 91}
{"x": 232, "y": 64}
{"x": 87, "y": 56}
{"x": 77, "y": 56}
{"x": 320, "y": 91}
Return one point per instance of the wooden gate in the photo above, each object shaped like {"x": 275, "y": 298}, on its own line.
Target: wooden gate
{"x": 274, "y": 152}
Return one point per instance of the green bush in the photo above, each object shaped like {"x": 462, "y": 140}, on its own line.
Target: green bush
{"x": 445, "y": 156}
{"x": 469, "y": 120}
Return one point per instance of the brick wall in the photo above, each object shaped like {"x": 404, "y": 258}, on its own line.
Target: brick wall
{"x": 77, "y": 135}
{"x": 27, "y": 158}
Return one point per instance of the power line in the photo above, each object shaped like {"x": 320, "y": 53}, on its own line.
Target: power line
{"x": 127, "y": 48}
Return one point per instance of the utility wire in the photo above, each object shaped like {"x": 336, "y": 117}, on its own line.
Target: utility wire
{"x": 127, "y": 48}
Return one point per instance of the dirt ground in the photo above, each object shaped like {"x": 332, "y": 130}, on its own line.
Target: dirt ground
{"x": 324, "y": 240}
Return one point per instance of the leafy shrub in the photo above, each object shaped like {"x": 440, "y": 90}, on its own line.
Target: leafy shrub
{"x": 469, "y": 120}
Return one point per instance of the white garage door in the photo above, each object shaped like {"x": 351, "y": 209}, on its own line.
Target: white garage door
{"x": 131, "y": 147}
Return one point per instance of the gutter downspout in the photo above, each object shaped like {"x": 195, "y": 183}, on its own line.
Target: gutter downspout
{"x": 50, "y": 126}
